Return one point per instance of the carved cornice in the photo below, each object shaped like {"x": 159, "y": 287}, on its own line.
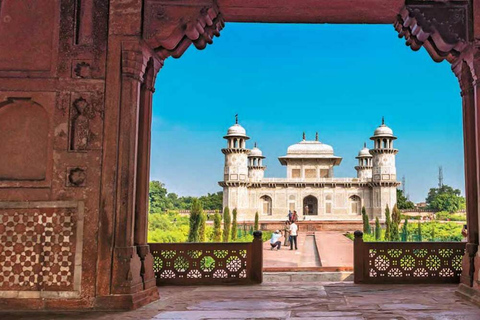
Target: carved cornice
{"x": 171, "y": 26}
{"x": 442, "y": 27}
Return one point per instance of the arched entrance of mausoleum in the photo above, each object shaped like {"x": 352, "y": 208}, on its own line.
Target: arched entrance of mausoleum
{"x": 310, "y": 206}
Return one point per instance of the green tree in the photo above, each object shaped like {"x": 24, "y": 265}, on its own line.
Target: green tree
{"x": 195, "y": 217}
{"x": 405, "y": 231}
{"x": 234, "y": 224}
{"x": 226, "y": 224}
{"x": 157, "y": 197}
{"x": 217, "y": 227}
{"x": 201, "y": 227}
{"x": 255, "y": 227}
{"x": 388, "y": 225}
{"x": 445, "y": 198}
{"x": 378, "y": 229}
{"x": 403, "y": 202}
{"x": 212, "y": 201}
{"x": 396, "y": 215}
{"x": 366, "y": 222}
{"x": 394, "y": 232}
{"x": 419, "y": 231}
{"x": 160, "y": 200}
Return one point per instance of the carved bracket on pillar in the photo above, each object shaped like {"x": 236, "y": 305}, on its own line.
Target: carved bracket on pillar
{"x": 170, "y": 26}
{"x": 442, "y": 27}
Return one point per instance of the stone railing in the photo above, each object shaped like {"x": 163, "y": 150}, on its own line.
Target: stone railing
{"x": 208, "y": 263}
{"x": 407, "y": 262}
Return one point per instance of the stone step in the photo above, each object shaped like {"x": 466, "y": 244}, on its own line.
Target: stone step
{"x": 269, "y": 277}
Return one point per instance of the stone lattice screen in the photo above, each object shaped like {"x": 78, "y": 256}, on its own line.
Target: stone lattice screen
{"x": 407, "y": 262}
{"x": 40, "y": 249}
{"x": 207, "y": 263}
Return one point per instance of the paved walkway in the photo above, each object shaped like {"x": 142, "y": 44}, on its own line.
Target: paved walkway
{"x": 334, "y": 248}
{"x": 328, "y": 250}
{"x": 294, "y": 301}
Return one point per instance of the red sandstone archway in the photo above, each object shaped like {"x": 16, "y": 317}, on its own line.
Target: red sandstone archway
{"x": 105, "y": 55}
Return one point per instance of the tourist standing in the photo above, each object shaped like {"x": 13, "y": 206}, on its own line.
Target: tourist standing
{"x": 286, "y": 242}
{"x": 275, "y": 240}
{"x": 294, "y": 217}
{"x": 293, "y": 235}
{"x": 290, "y": 215}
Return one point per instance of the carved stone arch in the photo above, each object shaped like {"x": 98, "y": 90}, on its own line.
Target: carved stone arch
{"x": 25, "y": 135}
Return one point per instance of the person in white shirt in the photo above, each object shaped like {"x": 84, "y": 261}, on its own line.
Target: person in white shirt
{"x": 293, "y": 235}
{"x": 275, "y": 240}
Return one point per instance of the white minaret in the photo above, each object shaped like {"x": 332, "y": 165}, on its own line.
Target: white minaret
{"x": 364, "y": 167}
{"x": 384, "y": 172}
{"x": 256, "y": 169}
{"x": 235, "y": 194}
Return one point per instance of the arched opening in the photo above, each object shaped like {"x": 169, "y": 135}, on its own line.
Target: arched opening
{"x": 266, "y": 203}
{"x": 310, "y": 206}
{"x": 355, "y": 204}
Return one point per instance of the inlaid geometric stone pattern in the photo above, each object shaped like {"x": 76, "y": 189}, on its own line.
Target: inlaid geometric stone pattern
{"x": 200, "y": 262}
{"x": 37, "y": 249}
{"x": 421, "y": 261}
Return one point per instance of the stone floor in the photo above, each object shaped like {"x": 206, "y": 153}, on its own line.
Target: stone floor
{"x": 302, "y": 300}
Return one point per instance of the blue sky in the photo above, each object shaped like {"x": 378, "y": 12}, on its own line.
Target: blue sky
{"x": 283, "y": 79}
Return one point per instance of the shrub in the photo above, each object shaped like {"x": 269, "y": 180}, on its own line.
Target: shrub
{"x": 255, "y": 227}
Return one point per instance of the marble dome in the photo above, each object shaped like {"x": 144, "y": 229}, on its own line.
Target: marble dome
{"x": 383, "y": 131}
{"x": 365, "y": 152}
{"x": 255, "y": 152}
{"x": 310, "y": 148}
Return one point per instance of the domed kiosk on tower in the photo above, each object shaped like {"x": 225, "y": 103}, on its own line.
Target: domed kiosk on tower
{"x": 310, "y": 187}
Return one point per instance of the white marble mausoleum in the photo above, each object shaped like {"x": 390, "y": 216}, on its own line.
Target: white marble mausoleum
{"x": 310, "y": 187}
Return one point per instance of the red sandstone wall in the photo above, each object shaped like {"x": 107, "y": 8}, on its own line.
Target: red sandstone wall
{"x": 52, "y": 82}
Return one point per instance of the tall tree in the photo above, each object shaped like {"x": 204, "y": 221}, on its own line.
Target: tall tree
{"x": 217, "y": 227}
{"x": 396, "y": 216}
{"x": 234, "y": 224}
{"x": 201, "y": 227}
{"x": 403, "y": 202}
{"x": 255, "y": 226}
{"x": 419, "y": 231}
{"x": 226, "y": 224}
{"x": 445, "y": 198}
{"x": 378, "y": 229}
{"x": 195, "y": 213}
{"x": 405, "y": 231}
{"x": 388, "y": 224}
{"x": 366, "y": 222}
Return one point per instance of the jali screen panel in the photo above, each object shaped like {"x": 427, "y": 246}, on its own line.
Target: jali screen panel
{"x": 408, "y": 262}
{"x": 205, "y": 263}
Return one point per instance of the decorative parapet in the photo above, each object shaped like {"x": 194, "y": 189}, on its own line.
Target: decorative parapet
{"x": 442, "y": 27}
{"x": 171, "y": 26}
{"x": 208, "y": 263}
{"x": 407, "y": 262}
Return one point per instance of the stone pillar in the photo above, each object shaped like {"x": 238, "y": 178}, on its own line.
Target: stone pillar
{"x": 469, "y": 106}
{"x": 143, "y": 174}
